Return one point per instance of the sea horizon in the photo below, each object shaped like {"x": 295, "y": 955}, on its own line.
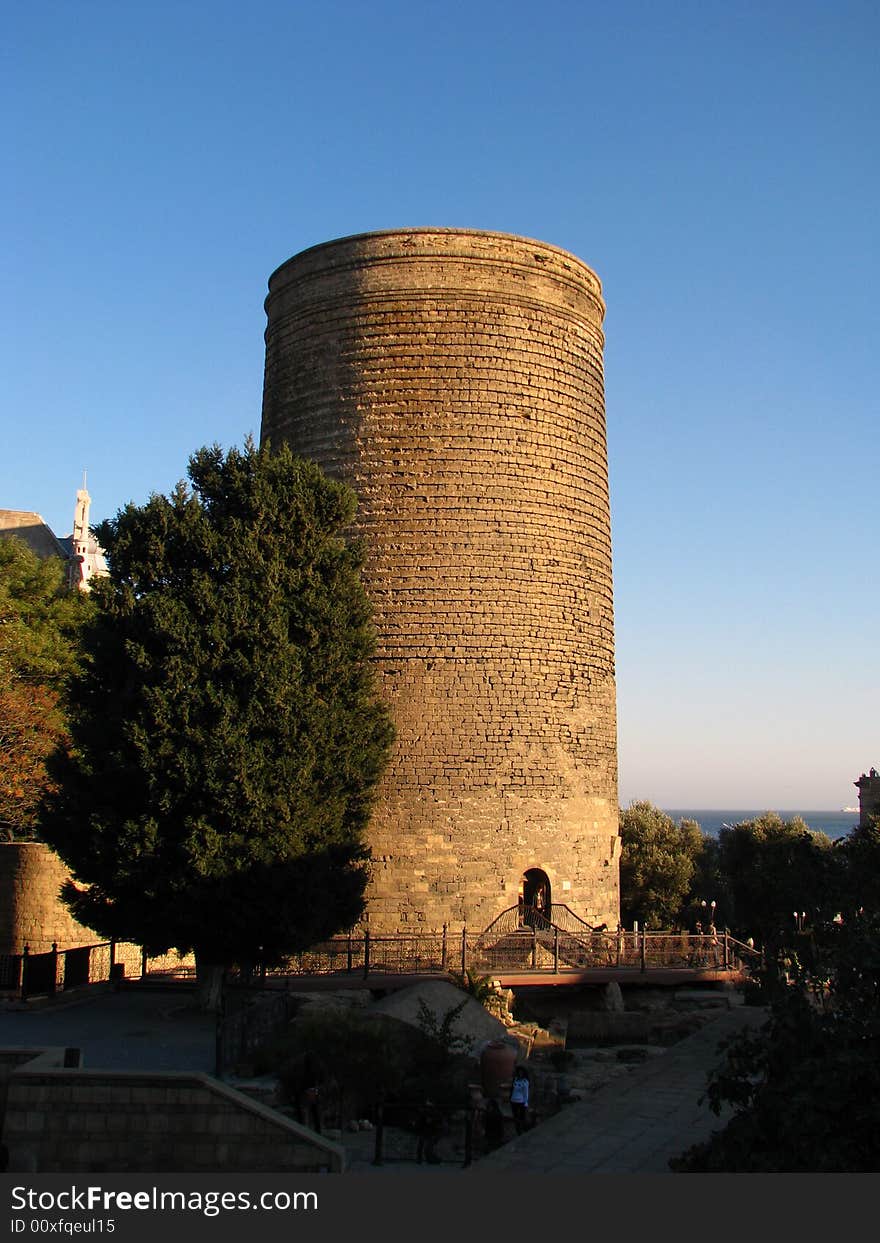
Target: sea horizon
{"x": 834, "y": 823}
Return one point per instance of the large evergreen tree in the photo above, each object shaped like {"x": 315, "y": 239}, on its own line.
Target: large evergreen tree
{"x": 227, "y": 733}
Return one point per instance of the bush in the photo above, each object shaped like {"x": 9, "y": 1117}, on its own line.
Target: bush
{"x": 358, "y": 1060}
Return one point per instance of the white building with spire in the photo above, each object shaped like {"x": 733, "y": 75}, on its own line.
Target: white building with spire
{"x": 80, "y": 550}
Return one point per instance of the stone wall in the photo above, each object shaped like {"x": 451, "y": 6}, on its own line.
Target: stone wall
{"x": 84, "y": 1121}
{"x": 11, "y": 1059}
{"x": 31, "y": 912}
{"x": 455, "y": 379}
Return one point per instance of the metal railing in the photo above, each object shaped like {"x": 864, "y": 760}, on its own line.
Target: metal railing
{"x": 443, "y": 1134}
{"x": 45, "y": 973}
{"x": 247, "y": 1020}
{"x": 521, "y": 939}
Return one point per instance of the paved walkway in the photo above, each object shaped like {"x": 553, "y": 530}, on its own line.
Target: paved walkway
{"x": 633, "y": 1125}
{"x": 118, "y": 1031}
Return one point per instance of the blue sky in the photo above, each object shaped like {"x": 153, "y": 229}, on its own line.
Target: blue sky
{"x": 715, "y": 163}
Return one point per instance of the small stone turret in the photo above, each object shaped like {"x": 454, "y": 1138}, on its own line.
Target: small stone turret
{"x": 868, "y": 786}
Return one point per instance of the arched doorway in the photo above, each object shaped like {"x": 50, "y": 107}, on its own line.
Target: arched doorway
{"x": 536, "y": 902}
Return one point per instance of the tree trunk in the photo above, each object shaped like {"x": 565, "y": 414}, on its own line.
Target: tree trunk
{"x": 209, "y": 982}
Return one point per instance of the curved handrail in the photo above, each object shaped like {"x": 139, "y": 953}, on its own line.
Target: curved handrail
{"x": 742, "y": 949}
{"x": 517, "y": 918}
{"x": 567, "y": 921}
{"x": 507, "y": 921}
{"x": 522, "y": 916}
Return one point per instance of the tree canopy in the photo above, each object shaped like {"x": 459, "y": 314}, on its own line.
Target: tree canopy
{"x": 772, "y": 868}
{"x": 757, "y": 873}
{"x": 39, "y": 623}
{"x": 858, "y": 871}
{"x": 227, "y": 732}
{"x": 657, "y": 864}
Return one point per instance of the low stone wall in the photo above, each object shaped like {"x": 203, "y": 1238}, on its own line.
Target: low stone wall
{"x": 31, "y": 912}
{"x": 11, "y": 1059}
{"x": 82, "y": 1121}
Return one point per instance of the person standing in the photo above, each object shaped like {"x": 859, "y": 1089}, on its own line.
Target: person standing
{"x": 519, "y": 1098}
{"x": 430, "y": 1125}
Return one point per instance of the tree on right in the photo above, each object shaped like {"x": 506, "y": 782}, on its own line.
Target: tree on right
{"x": 805, "y": 1088}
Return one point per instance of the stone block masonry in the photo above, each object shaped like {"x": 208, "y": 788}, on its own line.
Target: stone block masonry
{"x": 31, "y": 910}
{"x": 454, "y": 378}
{"x": 82, "y": 1121}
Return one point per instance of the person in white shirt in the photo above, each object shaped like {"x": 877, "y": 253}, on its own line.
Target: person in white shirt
{"x": 519, "y": 1098}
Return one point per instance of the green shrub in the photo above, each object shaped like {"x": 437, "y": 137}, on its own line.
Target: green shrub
{"x": 358, "y": 1059}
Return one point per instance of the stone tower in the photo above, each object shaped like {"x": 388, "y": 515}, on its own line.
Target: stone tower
{"x": 454, "y": 379}
{"x": 868, "y": 786}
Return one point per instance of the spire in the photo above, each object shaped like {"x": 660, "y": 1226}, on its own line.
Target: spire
{"x": 79, "y": 572}
{"x": 81, "y": 520}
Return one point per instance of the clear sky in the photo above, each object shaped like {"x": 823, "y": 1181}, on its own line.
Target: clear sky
{"x": 715, "y": 162}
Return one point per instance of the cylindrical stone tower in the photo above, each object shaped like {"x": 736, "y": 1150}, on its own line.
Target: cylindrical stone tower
{"x": 454, "y": 379}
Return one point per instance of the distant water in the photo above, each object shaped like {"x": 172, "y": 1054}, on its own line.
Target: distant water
{"x": 833, "y": 823}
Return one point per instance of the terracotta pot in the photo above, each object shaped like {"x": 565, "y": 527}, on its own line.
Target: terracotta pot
{"x": 497, "y": 1062}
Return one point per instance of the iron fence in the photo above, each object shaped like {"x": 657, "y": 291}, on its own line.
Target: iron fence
{"x": 326, "y": 958}
{"x": 514, "y": 942}
{"x": 247, "y": 1020}
{"x": 47, "y": 972}
{"x": 508, "y": 946}
{"x": 434, "y": 1135}
{"x": 10, "y": 973}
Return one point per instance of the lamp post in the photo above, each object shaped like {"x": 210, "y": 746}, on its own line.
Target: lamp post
{"x": 799, "y": 918}
{"x": 707, "y": 914}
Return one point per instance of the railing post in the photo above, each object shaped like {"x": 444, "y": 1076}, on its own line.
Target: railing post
{"x": 350, "y": 961}
{"x": 218, "y": 1037}
{"x": 726, "y": 950}
{"x": 555, "y": 950}
{"x": 464, "y": 949}
{"x": 366, "y": 952}
{"x": 534, "y": 948}
{"x": 644, "y": 948}
{"x": 25, "y": 955}
{"x": 620, "y": 935}
{"x": 54, "y": 984}
{"x": 112, "y": 955}
{"x": 380, "y": 1134}
{"x": 143, "y": 962}
{"x": 443, "y": 950}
